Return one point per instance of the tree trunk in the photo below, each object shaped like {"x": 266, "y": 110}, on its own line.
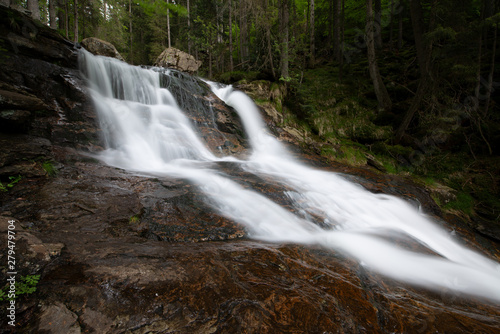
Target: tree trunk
{"x": 378, "y": 25}
{"x": 189, "y": 25}
{"x": 417, "y": 100}
{"x": 131, "y": 54}
{"x": 391, "y": 32}
{"x": 243, "y": 32}
{"x": 75, "y": 31}
{"x": 489, "y": 88}
{"x": 231, "y": 62}
{"x": 341, "y": 49}
{"x": 383, "y": 98}
{"x": 62, "y": 15}
{"x": 424, "y": 51}
{"x": 400, "y": 30}
{"x": 312, "y": 59}
{"x": 5, "y": 2}
{"x": 479, "y": 58}
{"x": 417, "y": 20}
{"x": 336, "y": 29}
{"x": 168, "y": 27}
{"x": 53, "y": 14}
{"x": 34, "y": 8}
{"x": 269, "y": 42}
{"x": 330, "y": 25}
{"x": 284, "y": 15}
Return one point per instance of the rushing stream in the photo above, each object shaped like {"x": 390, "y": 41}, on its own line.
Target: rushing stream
{"x": 146, "y": 131}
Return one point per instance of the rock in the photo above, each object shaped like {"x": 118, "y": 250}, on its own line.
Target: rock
{"x": 39, "y": 74}
{"x": 20, "y": 35}
{"x": 14, "y": 120}
{"x": 218, "y": 124}
{"x": 442, "y": 194}
{"x": 20, "y": 100}
{"x": 99, "y": 47}
{"x": 57, "y": 319}
{"x": 177, "y": 59}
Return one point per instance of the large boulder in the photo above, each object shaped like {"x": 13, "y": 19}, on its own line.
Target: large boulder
{"x": 99, "y": 47}
{"x": 177, "y": 59}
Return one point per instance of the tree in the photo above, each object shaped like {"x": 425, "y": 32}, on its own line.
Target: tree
{"x": 383, "y": 97}
{"x": 311, "y": 34}
{"x": 337, "y": 27}
{"x": 168, "y": 27}
{"x": 424, "y": 52}
{"x": 284, "y": 17}
{"x": 75, "y": 20}
{"x": 34, "y": 8}
{"x": 53, "y": 13}
{"x": 378, "y": 21}
{"x": 231, "y": 64}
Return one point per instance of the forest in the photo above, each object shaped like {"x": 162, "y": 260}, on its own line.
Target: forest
{"x": 409, "y": 87}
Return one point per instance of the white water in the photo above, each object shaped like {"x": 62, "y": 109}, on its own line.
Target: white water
{"x": 147, "y": 132}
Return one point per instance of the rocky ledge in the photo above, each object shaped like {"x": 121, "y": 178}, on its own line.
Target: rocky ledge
{"x": 124, "y": 253}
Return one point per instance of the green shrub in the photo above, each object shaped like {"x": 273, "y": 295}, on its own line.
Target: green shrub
{"x": 12, "y": 181}
{"x": 25, "y": 286}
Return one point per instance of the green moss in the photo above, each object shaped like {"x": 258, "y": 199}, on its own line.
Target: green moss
{"x": 347, "y": 153}
{"x": 134, "y": 219}
{"x": 48, "y": 166}
{"x": 464, "y": 203}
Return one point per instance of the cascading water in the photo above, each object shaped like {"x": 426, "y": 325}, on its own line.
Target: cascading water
{"x": 146, "y": 131}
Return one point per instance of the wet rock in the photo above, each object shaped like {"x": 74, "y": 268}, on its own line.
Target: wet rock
{"x": 20, "y": 35}
{"x": 21, "y": 153}
{"x": 57, "y": 319}
{"x": 15, "y": 100}
{"x": 16, "y": 121}
{"x": 218, "y": 124}
{"x": 99, "y": 47}
{"x": 96, "y": 321}
{"x": 178, "y": 60}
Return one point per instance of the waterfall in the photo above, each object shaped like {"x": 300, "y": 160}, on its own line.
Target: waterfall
{"x": 146, "y": 131}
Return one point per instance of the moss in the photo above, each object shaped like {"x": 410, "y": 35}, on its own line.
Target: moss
{"x": 347, "y": 153}
{"x": 49, "y": 168}
{"x": 134, "y": 219}
{"x": 464, "y": 203}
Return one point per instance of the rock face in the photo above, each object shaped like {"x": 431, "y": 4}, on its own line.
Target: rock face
{"x": 177, "y": 59}
{"x": 41, "y": 91}
{"x": 125, "y": 253}
{"x": 218, "y": 124}
{"x": 99, "y": 47}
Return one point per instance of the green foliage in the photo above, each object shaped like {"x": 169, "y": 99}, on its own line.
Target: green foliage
{"x": 12, "y": 181}
{"x": 25, "y": 286}
{"x": 441, "y": 34}
{"x": 464, "y": 203}
{"x": 48, "y": 166}
{"x": 235, "y": 76}
{"x": 134, "y": 219}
